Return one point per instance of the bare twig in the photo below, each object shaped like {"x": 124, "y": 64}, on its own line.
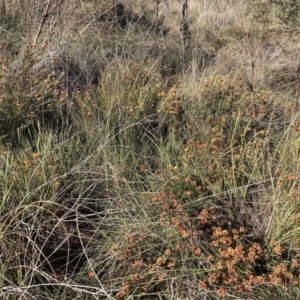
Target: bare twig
{"x": 64, "y": 23}
{"x": 46, "y": 14}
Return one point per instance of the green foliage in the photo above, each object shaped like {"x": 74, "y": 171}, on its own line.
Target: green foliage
{"x": 283, "y": 12}
{"x": 288, "y": 12}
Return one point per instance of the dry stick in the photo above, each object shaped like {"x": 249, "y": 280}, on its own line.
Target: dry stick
{"x": 63, "y": 24}
{"x": 95, "y": 19}
{"x": 157, "y": 7}
{"x": 251, "y": 83}
{"x": 184, "y": 28}
{"x": 46, "y": 14}
{"x": 251, "y": 49}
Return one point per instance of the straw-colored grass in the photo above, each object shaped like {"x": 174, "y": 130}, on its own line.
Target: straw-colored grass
{"x": 149, "y": 155}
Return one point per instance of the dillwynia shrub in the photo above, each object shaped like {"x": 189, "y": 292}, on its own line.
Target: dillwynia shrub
{"x": 29, "y": 98}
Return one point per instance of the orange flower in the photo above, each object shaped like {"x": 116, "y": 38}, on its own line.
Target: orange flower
{"x": 180, "y": 247}
{"x": 210, "y": 258}
{"x": 57, "y": 184}
{"x": 212, "y": 278}
{"x": 35, "y": 156}
{"x": 162, "y": 276}
{"x": 242, "y": 229}
{"x": 295, "y": 263}
{"x": 277, "y": 250}
{"x": 132, "y": 237}
{"x": 197, "y": 251}
{"x": 168, "y": 252}
{"x": 203, "y": 216}
{"x": 91, "y": 274}
{"x": 161, "y": 261}
{"x": 185, "y": 234}
{"x": 222, "y": 292}
{"x": 114, "y": 249}
{"x": 137, "y": 264}
{"x": 202, "y": 284}
{"x": 143, "y": 288}
{"x": 137, "y": 277}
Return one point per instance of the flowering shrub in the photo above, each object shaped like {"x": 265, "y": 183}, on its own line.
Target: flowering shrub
{"x": 28, "y": 99}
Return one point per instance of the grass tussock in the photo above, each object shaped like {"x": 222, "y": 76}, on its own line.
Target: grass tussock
{"x": 149, "y": 151}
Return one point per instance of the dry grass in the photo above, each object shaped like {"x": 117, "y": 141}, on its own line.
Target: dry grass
{"x": 141, "y": 162}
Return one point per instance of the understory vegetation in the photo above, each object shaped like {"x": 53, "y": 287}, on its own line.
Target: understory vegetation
{"x": 149, "y": 150}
